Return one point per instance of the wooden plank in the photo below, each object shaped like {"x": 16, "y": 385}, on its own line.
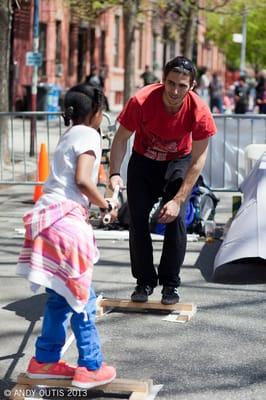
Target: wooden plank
{"x": 138, "y": 396}
{"x": 149, "y": 305}
{"x": 142, "y": 395}
{"x": 19, "y": 392}
{"x": 118, "y": 385}
{"x": 126, "y": 385}
{"x": 182, "y": 316}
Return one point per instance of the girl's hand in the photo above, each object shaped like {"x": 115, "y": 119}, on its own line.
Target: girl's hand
{"x": 110, "y": 216}
{"x": 114, "y": 203}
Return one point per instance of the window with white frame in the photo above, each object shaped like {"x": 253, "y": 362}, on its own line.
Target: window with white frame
{"x": 116, "y": 40}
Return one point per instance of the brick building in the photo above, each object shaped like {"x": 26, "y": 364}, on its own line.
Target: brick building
{"x": 70, "y": 46}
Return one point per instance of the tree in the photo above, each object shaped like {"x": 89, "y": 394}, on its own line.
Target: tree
{"x": 189, "y": 28}
{"x": 130, "y": 9}
{"x": 93, "y": 9}
{"x": 180, "y": 20}
{"x": 5, "y": 29}
{"x": 221, "y": 27}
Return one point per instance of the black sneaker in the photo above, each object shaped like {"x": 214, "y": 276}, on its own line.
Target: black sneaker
{"x": 141, "y": 293}
{"x": 169, "y": 295}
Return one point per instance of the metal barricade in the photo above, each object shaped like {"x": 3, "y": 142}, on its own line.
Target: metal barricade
{"x": 17, "y": 167}
{"x": 224, "y": 169}
{"x": 225, "y": 165}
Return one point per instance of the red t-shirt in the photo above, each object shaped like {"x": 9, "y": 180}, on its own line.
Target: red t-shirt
{"x": 160, "y": 135}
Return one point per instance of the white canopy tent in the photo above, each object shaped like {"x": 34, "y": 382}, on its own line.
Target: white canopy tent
{"x": 246, "y": 238}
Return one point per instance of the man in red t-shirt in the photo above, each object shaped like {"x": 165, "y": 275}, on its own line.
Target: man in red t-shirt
{"x": 172, "y": 126}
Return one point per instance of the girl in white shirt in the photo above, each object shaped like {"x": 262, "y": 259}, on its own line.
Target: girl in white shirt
{"x": 59, "y": 248}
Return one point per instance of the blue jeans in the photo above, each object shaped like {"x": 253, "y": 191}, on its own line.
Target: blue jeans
{"x": 54, "y": 331}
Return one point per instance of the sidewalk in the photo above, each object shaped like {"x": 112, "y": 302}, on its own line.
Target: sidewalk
{"x": 218, "y": 355}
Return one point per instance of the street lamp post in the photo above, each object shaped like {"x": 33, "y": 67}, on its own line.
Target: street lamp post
{"x": 34, "y": 84}
{"x": 244, "y": 42}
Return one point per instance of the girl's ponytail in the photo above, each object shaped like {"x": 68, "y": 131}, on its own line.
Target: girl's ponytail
{"x": 67, "y": 115}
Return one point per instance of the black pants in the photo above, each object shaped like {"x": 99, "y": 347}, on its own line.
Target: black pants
{"x": 240, "y": 108}
{"x": 147, "y": 180}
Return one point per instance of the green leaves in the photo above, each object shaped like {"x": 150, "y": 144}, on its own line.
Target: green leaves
{"x": 90, "y": 9}
{"x": 221, "y": 26}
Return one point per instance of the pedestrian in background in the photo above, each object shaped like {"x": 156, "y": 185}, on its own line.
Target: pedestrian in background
{"x": 216, "y": 88}
{"x": 103, "y": 75}
{"x": 172, "y": 126}
{"x": 204, "y": 83}
{"x": 96, "y": 78}
{"x": 261, "y": 95}
{"x": 241, "y": 96}
{"x": 148, "y": 76}
{"x": 59, "y": 248}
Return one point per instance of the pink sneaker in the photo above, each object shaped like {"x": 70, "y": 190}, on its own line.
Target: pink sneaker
{"x": 59, "y": 370}
{"x": 87, "y": 379}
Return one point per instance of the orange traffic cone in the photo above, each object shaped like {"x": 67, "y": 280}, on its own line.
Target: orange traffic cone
{"x": 102, "y": 177}
{"x": 43, "y": 171}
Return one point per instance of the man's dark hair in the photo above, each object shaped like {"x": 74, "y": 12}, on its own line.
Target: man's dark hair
{"x": 181, "y": 65}
{"x": 80, "y": 101}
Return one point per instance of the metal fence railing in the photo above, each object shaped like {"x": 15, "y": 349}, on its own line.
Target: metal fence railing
{"x": 224, "y": 169}
{"x": 17, "y": 163}
{"x": 225, "y": 165}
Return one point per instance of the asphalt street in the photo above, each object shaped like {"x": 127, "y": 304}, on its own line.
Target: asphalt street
{"x": 220, "y": 354}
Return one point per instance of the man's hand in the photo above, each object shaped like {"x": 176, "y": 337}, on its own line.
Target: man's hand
{"x": 116, "y": 180}
{"x": 169, "y": 212}
{"x": 117, "y": 154}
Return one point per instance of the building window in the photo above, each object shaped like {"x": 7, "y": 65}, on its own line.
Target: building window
{"x": 58, "y": 43}
{"x": 118, "y": 97}
{"x": 83, "y": 39}
{"x": 140, "y": 45}
{"x": 58, "y": 59}
{"x": 154, "y": 50}
{"x": 42, "y": 47}
{"x": 92, "y": 44}
{"x": 102, "y": 48}
{"x": 72, "y": 33}
{"x": 116, "y": 41}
